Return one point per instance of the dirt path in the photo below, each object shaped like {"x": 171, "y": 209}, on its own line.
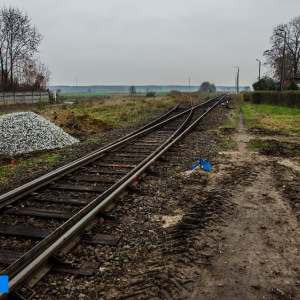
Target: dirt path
{"x": 242, "y": 137}
{"x": 256, "y": 255}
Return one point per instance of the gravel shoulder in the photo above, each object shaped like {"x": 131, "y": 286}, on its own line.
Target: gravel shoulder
{"x": 230, "y": 233}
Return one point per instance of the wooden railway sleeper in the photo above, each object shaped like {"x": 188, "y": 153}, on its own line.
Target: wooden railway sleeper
{"x": 62, "y": 260}
{"x": 89, "y": 236}
{"x": 23, "y": 292}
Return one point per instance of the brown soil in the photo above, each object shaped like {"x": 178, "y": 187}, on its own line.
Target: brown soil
{"x": 78, "y": 126}
{"x": 253, "y": 247}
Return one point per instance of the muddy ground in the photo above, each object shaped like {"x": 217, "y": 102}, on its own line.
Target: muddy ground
{"x": 230, "y": 233}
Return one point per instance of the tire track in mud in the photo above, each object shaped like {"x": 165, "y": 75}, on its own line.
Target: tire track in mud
{"x": 255, "y": 261}
{"x": 171, "y": 272}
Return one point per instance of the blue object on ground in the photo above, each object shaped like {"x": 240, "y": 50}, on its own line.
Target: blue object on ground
{"x": 3, "y": 284}
{"x": 195, "y": 165}
{"x": 206, "y": 166}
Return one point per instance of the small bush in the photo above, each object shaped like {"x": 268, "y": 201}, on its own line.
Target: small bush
{"x": 174, "y": 94}
{"x": 247, "y": 96}
{"x": 123, "y": 116}
{"x": 40, "y": 104}
{"x": 293, "y": 86}
{"x": 101, "y": 101}
{"x": 150, "y": 94}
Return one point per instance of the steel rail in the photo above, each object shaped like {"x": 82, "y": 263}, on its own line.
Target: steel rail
{"x": 11, "y": 196}
{"x": 18, "y": 278}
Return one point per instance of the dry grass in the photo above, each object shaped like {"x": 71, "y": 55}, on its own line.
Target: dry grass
{"x": 127, "y": 110}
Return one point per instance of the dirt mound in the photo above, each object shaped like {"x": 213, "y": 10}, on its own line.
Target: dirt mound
{"x": 79, "y": 126}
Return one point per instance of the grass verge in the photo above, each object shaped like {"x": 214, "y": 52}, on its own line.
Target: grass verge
{"x": 26, "y": 164}
{"x": 273, "y": 118}
{"x": 258, "y": 145}
{"x": 228, "y": 141}
{"x": 228, "y": 144}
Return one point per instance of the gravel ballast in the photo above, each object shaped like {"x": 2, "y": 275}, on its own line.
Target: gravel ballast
{"x": 27, "y": 131}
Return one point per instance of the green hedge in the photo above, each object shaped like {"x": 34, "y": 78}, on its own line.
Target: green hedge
{"x": 286, "y": 98}
{"x": 247, "y": 96}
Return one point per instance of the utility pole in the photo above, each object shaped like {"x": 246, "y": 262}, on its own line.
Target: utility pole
{"x": 259, "y": 63}
{"x": 235, "y": 84}
{"x": 237, "y": 80}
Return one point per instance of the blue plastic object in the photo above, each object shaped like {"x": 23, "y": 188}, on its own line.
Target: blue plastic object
{"x": 3, "y": 284}
{"x": 195, "y": 165}
{"x": 206, "y": 166}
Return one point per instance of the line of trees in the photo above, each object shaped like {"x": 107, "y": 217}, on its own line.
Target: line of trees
{"x": 20, "y": 69}
{"x": 283, "y": 58}
{"x": 207, "y": 87}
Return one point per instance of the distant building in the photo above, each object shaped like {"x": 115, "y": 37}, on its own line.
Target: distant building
{"x": 296, "y": 79}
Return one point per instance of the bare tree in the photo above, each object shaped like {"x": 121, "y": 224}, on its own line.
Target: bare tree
{"x": 132, "y": 90}
{"x": 19, "y": 41}
{"x": 34, "y": 75}
{"x": 288, "y": 35}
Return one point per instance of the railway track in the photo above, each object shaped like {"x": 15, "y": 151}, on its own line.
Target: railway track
{"x": 71, "y": 199}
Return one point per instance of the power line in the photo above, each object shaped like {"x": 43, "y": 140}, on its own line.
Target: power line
{"x": 250, "y": 72}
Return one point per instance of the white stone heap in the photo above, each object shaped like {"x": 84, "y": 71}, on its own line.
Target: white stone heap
{"x": 26, "y": 132}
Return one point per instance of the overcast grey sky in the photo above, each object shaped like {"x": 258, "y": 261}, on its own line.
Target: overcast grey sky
{"x": 160, "y": 42}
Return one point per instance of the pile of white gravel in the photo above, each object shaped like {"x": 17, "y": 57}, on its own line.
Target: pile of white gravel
{"x": 26, "y": 132}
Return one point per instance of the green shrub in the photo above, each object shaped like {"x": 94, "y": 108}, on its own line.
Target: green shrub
{"x": 293, "y": 86}
{"x": 174, "y": 94}
{"x": 247, "y": 96}
{"x": 150, "y": 94}
{"x": 285, "y": 98}
{"x": 40, "y": 104}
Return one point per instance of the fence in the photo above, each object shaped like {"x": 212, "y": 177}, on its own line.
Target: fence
{"x": 23, "y": 97}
